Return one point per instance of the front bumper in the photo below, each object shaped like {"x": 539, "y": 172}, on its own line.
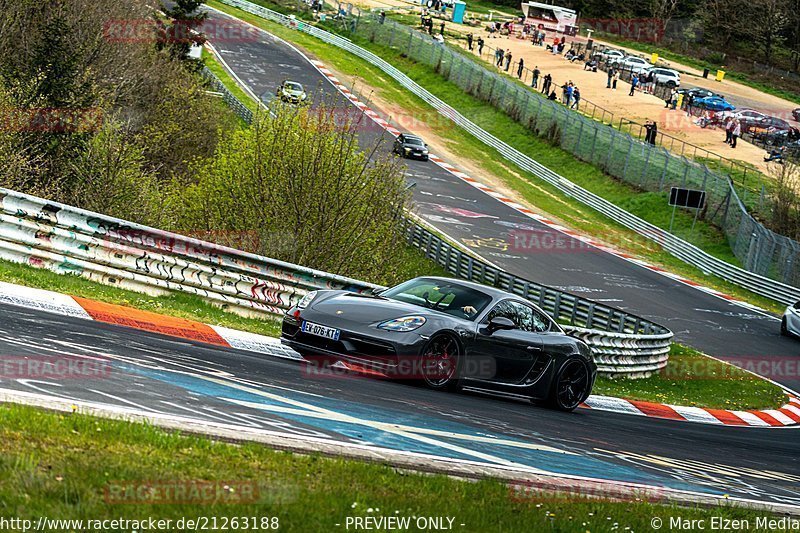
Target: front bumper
{"x": 362, "y": 344}
{"x": 413, "y": 155}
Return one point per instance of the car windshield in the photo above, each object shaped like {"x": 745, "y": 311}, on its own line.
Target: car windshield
{"x": 415, "y": 141}
{"x": 292, "y": 86}
{"x": 451, "y": 298}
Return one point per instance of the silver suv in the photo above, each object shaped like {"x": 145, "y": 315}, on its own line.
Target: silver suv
{"x": 665, "y": 76}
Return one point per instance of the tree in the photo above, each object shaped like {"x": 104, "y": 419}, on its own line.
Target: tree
{"x": 301, "y": 182}
{"x": 768, "y": 19}
{"x": 182, "y": 32}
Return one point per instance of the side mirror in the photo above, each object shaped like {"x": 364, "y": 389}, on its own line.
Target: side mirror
{"x": 378, "y": 292}
{"x": 500, "y": 322}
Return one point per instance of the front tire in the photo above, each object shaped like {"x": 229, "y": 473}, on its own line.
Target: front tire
{"x": 571, "y": 385}
{"x": 441, "y": 363}
{"x": 784, "y": 328}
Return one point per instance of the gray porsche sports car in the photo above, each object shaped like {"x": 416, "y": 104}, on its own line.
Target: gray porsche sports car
{"x": 447, "y": 334}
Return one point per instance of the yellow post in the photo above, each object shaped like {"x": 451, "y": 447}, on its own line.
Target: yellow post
{"x": 720, "y": 75}
{"x": 654, "y": 58}
{"x": 680, "y": 101}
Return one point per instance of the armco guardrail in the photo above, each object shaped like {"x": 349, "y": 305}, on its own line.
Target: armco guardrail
{"x": 69, "y": 240}
{"x": 678, "y": 247}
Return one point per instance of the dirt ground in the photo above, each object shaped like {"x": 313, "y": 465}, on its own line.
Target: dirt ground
{"x": 640, "y": 107}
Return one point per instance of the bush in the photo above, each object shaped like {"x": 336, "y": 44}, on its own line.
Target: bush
{"x": 300, "y": 183}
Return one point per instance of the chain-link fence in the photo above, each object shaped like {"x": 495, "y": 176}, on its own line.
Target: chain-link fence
{"x": 640, "y": 164}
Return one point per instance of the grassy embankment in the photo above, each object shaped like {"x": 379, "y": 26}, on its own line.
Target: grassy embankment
{"x": 72, "y": 466}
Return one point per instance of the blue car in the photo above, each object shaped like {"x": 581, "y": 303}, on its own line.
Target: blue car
{"x": 714, "y": 103}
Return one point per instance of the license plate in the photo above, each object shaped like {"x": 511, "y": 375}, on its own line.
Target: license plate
{"x": 320, "y": 331}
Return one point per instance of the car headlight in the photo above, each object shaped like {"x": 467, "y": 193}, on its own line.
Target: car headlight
{"x": 303, "y": 96}
{"x": 303, "y": 303}
{"x": 407, "y": 149}
{"x": 406, "y": 323}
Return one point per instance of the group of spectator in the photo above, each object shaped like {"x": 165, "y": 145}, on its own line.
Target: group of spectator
{"x": 471, "y": 41}
{"x": 733, "y": 130}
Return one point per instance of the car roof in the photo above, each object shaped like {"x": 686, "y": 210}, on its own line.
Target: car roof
{"x": 494, "y": 292}
{"x": 412, "y": 136}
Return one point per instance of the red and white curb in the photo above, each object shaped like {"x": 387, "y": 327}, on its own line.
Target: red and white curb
{"x": 62, "y": 304}
{"x": 787, "y": 415}
{"x": 523, "y": 209}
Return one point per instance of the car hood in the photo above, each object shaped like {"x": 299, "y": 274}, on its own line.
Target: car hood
{"x": 292, "y": 92}
{"x": 363, "y": 309}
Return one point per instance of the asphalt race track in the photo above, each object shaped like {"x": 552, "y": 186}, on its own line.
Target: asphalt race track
{"x": 483, "y": 224}
{"x": 153, "y": 374}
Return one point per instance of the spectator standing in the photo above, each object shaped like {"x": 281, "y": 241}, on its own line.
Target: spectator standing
{"x": 634, "y": 84}
{"x": 689, "y": 102}
{"x": 498, "y": 57}
{"x": 509, "y": 56}
{"x": 383, "y": 17}
{"x": 469, "y": 42}
{"x": 441, "y": 29}
{"x": 737, "y": 131}
{"x": 546, "y": 82}
{"x": 614, "y": 80}
{"x": 668, "y": 99}
{"x": 576, "y": 98}
{"x": 520, "y": 68}
{"x": 536, "y": 74}
{"x": 480, "y": 46}
{"x": 728, "y": 130}
{"x": 564, "y": 93}
{"x": 610, "y": 75}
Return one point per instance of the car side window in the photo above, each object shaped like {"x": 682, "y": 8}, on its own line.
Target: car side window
{"x": 524, "y": 317}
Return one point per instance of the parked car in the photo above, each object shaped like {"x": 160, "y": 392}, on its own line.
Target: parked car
{"x": 714, "y": 103}
{"x": 633, "y": 64}
{"x": 790, "y": 323}
{"x": 665, "y": 76}
{"x": 410, "y": 146}
{"x": 610, "y": 56}
{"x": 291, "y": 92}
{"x": 768, "y": 124}
{"x": 697, "y": 92}
{"x": 796, "y": 114}
{"x": 446, "y": 334}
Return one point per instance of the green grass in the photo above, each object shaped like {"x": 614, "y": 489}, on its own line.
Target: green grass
{"x": 693, "y": 379}
{"x": 543, "y": 197}
{"x": 218, "y": 70}
{"x": 175, "y": 304}
{"x": 62, "y": 465}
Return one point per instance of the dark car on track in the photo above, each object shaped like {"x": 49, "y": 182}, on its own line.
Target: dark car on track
{"x": 447, "y": 334}
{"x": 410, "y": 146}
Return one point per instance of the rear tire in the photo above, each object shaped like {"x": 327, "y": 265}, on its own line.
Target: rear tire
{"x": 571, "y": 385}
{"x": 440, "y": 363}
{"x": 784, "y": 329}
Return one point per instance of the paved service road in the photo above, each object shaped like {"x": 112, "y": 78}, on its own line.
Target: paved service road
{"x": 482, "y": 223}
{"x": 164, "y": 375}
